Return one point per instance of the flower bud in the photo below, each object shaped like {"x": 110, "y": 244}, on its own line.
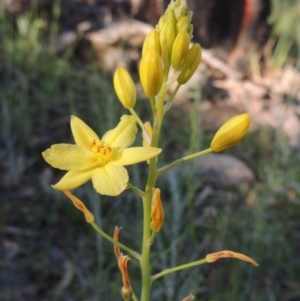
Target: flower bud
{"x": 191, "y": 64}
{"x": 183, "y": 23}
{"x": 157, "y": 212}
{"x": 151, "y": 73}
{"x": 125, "y": 88}
{"x": 162, "y": 20}
{"x": 231, "y": 132}
{"x": 151, "y": 42}
{"x": 147, "y": 134}
{"x": 167, "y": 37}
{"x": 180, "y": 50}
{"x": 179, "y": 8}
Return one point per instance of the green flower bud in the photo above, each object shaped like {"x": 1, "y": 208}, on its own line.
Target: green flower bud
{"x": 231, "y": 132}
{"x": 180, "y": 8}
{"x": 191, "y": 64}
{"x": 180, "y": 50}
{"x": 125, "y": 88}
{"x": 151, "y": 73}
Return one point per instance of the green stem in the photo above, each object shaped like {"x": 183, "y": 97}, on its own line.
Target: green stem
{"x": 178, "y": 268}
{"x": 181, "y": 160}
{"x": 136, "y": 190}
{"x": 170, "y": 101}
{"x": 109, "y": 238}
{"x": 145, "y": 261}
{"x": 147, "y": 241}
{"x": 138, "y": 119}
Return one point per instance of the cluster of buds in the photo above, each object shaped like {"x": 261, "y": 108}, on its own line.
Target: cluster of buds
{"x": 168, "y": 46}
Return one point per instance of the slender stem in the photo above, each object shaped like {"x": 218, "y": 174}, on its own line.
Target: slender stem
{"x": 122, "y": 246}
{"x": 147, "y": 241}
{"x": 138, "y": 119}
{"x": 136, "y": 190}
{"x": 170, "y": 101}
{"x": 178, "y": 268}
{"x": 181, "y": 160}
{"x": 134, "y": 297}
{"x": 145, "y": 261}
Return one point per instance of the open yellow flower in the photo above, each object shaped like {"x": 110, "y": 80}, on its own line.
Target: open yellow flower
{"x": 99, "y": 160}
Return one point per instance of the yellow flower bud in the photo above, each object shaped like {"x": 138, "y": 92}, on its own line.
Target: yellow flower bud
{"x": 162, "y": 20}
{"x": 191, "y": 64}
{"x": 231, "y": 132}
{"x": 170, "y": 16}
{"x": 125, "y": 88}
{"x": 151, "y": 73}
{"x": 180, "y": 50}
{"x": 183, "y": 23}
{"x": 167, "y": 37}
{"x": 151, "y": 42}
{"x": 157, "y": 212}
{"x": 147, "y": 134}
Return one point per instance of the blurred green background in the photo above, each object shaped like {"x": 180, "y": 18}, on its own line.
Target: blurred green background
{"x": 47, "y": 250}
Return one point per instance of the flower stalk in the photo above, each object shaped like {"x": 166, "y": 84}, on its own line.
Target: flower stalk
{"x": 167, "y": 58}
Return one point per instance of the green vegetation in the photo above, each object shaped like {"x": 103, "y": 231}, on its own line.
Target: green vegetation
{"x": 47, "y": 250}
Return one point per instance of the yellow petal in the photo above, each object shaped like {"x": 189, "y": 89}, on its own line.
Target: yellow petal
{"x": 123, "y": 134}
{"x": 72, "y": 179}
{"x": 111, "y": 179}
{"x": 82, "y": 133}
{"x": 68, "y": 157}
{"x": 134, "y": 155}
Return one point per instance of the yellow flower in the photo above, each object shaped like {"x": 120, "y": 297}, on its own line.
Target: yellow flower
{"x": 99, "y": 160}
{"x": 231, "y": 132}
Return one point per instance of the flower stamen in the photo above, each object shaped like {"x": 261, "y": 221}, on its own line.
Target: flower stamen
{"x": 103, "y": 152}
